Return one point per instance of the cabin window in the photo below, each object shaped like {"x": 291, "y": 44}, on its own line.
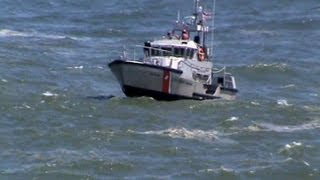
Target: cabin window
{"x": 155, "y": 51}
{"x": 161, "y": 51}
{"x": 190, "y": 53}
{"x": 179, "y": 52}
{"x": 166, "y": 51}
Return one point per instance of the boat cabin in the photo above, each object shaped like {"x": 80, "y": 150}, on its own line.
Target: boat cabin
{"x": 171, "y": 48}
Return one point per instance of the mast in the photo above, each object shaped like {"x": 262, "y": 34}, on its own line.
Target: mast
{"x": 196, "y": 11}
{"x": 213, "y": 27}
{"x": 213, "y": 17}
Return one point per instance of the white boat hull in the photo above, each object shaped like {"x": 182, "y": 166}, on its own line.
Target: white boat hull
{"x": 162, "y": 83}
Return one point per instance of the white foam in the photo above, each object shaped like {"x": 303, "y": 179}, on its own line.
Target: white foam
{"x": 293, "y": 144}
{"x": 287, "y": 129}
{"x": 306, "y": 163}
{"x": 233, "y": 118}
{"x": 195, "y": 134}
{"x": 224, "y": 169}
{"x": 292, "y": 149}
{"x": 76, "y": 67}
{"x": 13, "y": 33}
{"x": 26, "y": 106}
{"x": 280, "y": 66}
{"x": 49, "y": 94}
{"x": 221, "y": 169}
{"x": 185, "y": 134}
{"x": 9, "y": 33}
{"x": 100, "y": 67}
{"x": 255, "y": 103}
{"x": 283, "y": 102}
{"x": 288, "y": 86}
{"x": 314, "y": 94}
{"x": 23, "y": 106}
{"x": 4, "y": 80}
{"x": 253, "y": 128}
{"x": 258, "y": 32}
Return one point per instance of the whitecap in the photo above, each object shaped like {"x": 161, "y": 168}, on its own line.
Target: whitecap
{"x": 10, "y": 33}
{"x": 306, "y": 163}
{"x": 100, "y": 67}
{"x": 233, "y": 118}
{"x": 314, "y": 94}
{"x": 76, "y": 67}
{"x": 185, "y": 134}
{"x": 221, "y": 169}
{"x": 228, "y": 170}
{"x": 4, "y": 80}
{"x": 26, "y": 106}
{"x": 288, "y": 86}
{"x": 49, "y": 94}
{"x": 283, "y": 102}
{"x": 292, "y": 149}
{"x": 255, "y": 103}
{"x": 195, "y": 134}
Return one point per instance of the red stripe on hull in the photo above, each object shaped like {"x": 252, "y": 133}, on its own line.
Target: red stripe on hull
{"x": 166, "y": 82}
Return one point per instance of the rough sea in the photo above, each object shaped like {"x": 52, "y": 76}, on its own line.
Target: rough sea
{"x": 64, "y": 116}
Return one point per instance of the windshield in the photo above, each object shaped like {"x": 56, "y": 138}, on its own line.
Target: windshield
{"x": 168, "y": 51}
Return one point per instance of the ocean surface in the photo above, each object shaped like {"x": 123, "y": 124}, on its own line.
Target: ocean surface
{"x": 64, "y": 116}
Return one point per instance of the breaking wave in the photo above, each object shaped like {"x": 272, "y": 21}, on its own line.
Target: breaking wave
{"x": 283, "y": 102}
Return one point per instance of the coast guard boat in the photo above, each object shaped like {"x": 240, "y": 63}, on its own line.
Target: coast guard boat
{"x": 177, "y": 67}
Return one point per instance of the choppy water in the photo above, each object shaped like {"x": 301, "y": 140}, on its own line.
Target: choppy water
{"x": 59, "y": 119}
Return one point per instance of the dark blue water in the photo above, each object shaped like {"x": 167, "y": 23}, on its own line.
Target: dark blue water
{"x": 64, "y": 116}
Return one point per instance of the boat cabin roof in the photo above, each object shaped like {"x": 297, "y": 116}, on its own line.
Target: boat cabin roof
{"x": 175, "y": 43}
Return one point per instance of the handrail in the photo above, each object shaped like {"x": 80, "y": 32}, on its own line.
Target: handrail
{"x": 219, "y": 71}
{"x": 152, "y": 48}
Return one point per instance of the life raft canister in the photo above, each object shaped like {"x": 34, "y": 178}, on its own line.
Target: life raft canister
{"x": 201, "y": 54}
